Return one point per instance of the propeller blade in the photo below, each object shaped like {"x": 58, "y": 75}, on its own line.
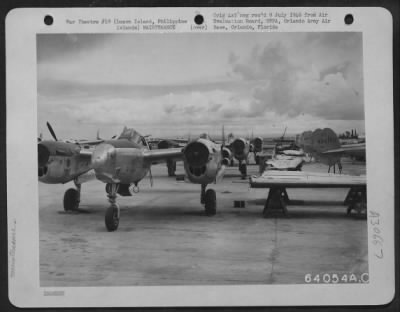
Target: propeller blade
{"x": 51, "y": 131}
{"x": 223, "y": 135}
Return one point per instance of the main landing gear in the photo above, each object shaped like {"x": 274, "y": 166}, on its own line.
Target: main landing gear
{"x": 243, "y": 169}
{"x": 72, "y": 198}
{"x": 112, "y": 212}
{"x": 171, "y": 166}
{"x": 209, "y": 200}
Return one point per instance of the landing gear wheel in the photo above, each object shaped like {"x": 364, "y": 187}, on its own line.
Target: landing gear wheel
{"x": 112, "y": 218}
{"x": 243, "y": 170}
{"x": 171, "y": 168}
{"x": 71, "y": 200}
{"x": 210, "y": 205}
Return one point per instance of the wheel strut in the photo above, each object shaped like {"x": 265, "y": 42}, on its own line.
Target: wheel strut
{"x": 113, "y": 212}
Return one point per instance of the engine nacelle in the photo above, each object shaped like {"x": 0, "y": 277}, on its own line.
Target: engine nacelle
{"x": 47, "y": 149}
{"x": 226, "y": 153}
{"x": 257, "y": 145}
{"x": 240, "y": 148}
{"x": 58, "y": 162}
{"x": 202, "y": 161}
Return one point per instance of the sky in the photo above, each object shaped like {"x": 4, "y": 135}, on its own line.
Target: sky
{"x": 186, "y": 84}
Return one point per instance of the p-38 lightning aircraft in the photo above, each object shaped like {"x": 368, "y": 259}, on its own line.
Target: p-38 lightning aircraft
{"x": 239, "y": 148}
{"x": 123, "y": 162}
{"x": 325, "y": 146}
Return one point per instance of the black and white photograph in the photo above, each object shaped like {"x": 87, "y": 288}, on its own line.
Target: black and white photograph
{"x": 202, "y": 158}
{"x": 171, "y": 127}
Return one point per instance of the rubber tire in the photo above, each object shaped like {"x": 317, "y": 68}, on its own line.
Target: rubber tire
{"x": 243, "y": 170}
{"x": 210, "y": 200}
{"x": 111, "y": 218}
{"x": 70, "y": 201}
{"x": 171, "y": 168}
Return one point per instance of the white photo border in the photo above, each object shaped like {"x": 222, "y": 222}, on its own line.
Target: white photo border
{"x": 22, "y": 26}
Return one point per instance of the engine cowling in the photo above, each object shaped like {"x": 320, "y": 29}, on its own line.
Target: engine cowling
{"x": 202, "y": 161}
{"x": 56, "y": 161}
{"x": 226, "y": 153}
{"x": 240, "y": 148}
{"x": 257, "y": 145}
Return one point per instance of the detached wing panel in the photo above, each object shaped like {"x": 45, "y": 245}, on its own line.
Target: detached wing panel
{"x": 162, "y": 155}
{"x": 301, "y": 179}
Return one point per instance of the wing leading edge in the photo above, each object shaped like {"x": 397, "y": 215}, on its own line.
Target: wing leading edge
{"x": 160, "y": 155}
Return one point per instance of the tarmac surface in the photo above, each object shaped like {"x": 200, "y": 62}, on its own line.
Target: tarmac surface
{"x": 165, "y": 238}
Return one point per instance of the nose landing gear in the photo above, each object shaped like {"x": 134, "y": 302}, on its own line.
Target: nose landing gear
{"x": 112, "y": 212}
{"x": 243, "y": 170}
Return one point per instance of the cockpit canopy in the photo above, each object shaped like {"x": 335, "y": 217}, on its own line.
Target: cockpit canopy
{"x": 132, "y": 135}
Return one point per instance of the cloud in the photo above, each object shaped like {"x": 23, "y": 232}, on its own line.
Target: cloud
{"x": 342, "y": 68}
{"x": 264, "y": 81}
{"x": 286, "y": 88}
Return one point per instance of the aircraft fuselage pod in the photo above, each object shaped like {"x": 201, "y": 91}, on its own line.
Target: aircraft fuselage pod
{"x": 119, "y": 161}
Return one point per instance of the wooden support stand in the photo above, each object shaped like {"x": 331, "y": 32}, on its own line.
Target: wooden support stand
{"x": 356, "y": 200}
{"x": 276, "y": 202}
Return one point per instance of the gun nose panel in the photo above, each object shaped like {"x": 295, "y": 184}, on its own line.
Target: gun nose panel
{"x": 102, "y": 156}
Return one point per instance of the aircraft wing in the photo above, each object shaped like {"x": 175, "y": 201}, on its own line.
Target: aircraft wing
{"x": 348, "y": 149}
{"x": 160, "y": 155}
{"x": 301, "y": 179}
{"x": 334, "y": 151}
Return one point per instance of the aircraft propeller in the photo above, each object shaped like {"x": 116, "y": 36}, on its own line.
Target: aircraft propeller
{"x": 51, "y": 131}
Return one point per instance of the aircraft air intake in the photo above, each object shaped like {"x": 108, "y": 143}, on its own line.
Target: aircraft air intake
{"x": 258, "y": 143}
{"x": 238, "y": 146}
{"x": 196, "y": 154}
{"x": 226, "y": 153}
{"x": 43, "y": 155}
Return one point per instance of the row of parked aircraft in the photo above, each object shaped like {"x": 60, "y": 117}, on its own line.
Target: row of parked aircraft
{"x": 122, "y": 162}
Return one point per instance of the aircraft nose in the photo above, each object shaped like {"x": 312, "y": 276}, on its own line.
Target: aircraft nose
{"x": 102, "y": 155}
